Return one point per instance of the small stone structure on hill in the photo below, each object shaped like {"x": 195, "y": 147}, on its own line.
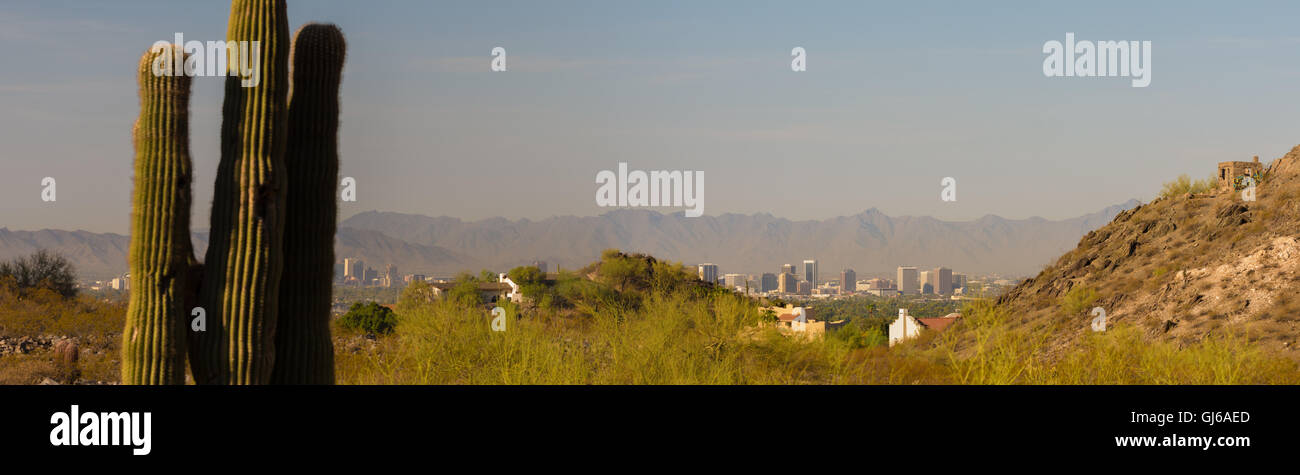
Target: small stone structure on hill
{"x": 1231, "y": 173}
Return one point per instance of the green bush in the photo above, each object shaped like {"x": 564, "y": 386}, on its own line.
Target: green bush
{"x": 369, "y": 317}
{"x": 41, "y": 270}
{"x": 1078, "y": 300}
{"x": 1184, "y": 185}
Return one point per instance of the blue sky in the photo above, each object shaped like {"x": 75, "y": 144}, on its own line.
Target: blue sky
{"x": 897, "y": 96}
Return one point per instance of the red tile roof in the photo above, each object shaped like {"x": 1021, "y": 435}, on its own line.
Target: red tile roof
{"x": 938, "y": 324}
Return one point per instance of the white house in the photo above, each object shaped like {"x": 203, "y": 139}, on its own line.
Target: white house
{"x": 906, "y": 327}
{"x": 515, "y": 295}
{"x": 903, "y": 328}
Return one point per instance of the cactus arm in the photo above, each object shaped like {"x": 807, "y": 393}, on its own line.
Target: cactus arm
{"x": 304, "y": 350}
{"x": 243, "y": 264}
{"x": 153, "y": 346}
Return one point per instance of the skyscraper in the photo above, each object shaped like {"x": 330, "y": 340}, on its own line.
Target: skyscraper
{"x": 907, "y": 282}
{"x": 848, "y": 281}
{"x": 787, "y": 269}
{"x": 769, "y": 282}
{"x": 926, "y": 285}
{"x": 787, "y": 284}
{"x": 941, "y": 279}
{"x": 810, "y": 271}
{"x": 390, "y": 275}
{"x": 709, "y": 273}
{"x": 354, "y": 268}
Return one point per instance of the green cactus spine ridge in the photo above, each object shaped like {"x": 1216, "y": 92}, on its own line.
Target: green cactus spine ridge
{"x": 304, "y": 350}
{"x": 239, "y": 286}
{"x": 242, "y": 268}
{"x": 154, "y": 340}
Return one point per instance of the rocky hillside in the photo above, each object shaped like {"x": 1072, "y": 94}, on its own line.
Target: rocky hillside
{"x": 1183, "y": 267}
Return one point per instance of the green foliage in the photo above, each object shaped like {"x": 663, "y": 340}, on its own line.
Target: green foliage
{"x": 369, "y": 317}
{"x": 1184, "y": 185}
{"x": 1078, "y": 300}
{"x": 348, "y": 293}
{"x": 465, "y": 290}
{"x": 41, "y": 270}
{"x": 524, "y": 275}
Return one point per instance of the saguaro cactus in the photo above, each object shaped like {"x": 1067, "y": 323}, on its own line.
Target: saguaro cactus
{"x": 153, "y": 346}
{"x": 304, "y": 353}
{"x": 241, "y": 281}
{"x": 239, "y": 286}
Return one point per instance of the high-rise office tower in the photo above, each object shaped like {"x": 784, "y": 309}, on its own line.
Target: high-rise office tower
{"x": 941, "y": 279}
{"x": 907, "y": 280}
{"x": 787, "y": 284}
{"x": 769, "y": 282}
{"x": 354, "y": 268}
{"x": 848, "y": 281}
{"x": 810, "y": 271}
{"x": 787, "y": 269}
{"x": 709, "y": 273}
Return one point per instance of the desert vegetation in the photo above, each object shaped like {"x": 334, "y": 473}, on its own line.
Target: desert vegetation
{"x": 50, "y": 332}
{"x": 631, "y": 319}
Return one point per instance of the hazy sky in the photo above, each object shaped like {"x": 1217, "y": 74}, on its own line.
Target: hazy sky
{"x": 896, "y": 97}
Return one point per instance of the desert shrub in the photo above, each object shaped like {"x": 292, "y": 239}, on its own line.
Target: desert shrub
{"x": 369, "y": 317}
{"x": 1078, "y": 300}
{"x": 1184, "y": 185}
{"x": 41, "y": 270}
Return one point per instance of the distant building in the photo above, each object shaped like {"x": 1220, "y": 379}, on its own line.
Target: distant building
{"x": 805, "y": 287}
{"x": 354, "y": 268}
{"x": 905, "y": 327}
{"x": 1231, "y": 173}
{"x": 370, "y": 276}
{"x": 735, "y": 280}
{"x": 878, "y": 283}
{"x": 941, "y": 280}
{"x": 390, "y": 275}
{"x": 787, "y": 283}
{"x": 708, "y": 273}
{"x": 848, "y": 281}
{"x": 788, "y": 321}
{"x": 540, "y": 265}
{"x": 810, "y": 271}
{"x": 120, "y": 283}
{"x": 958, "y": 282}
{"x": 488, "y": 291}
{"x": 924, "y": 280}
{"x": 907, "y": 280}
{"x": 768, "y": 282}
{"x": 787, "y": 269}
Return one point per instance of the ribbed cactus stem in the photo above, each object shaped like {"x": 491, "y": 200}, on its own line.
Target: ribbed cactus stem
{"x": 241, "y": 284}
{"x": 153, "y": 348}
{"x": 304, "y": 351}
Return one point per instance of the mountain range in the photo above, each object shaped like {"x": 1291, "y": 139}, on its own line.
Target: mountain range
{"x": 870, "y": 242}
